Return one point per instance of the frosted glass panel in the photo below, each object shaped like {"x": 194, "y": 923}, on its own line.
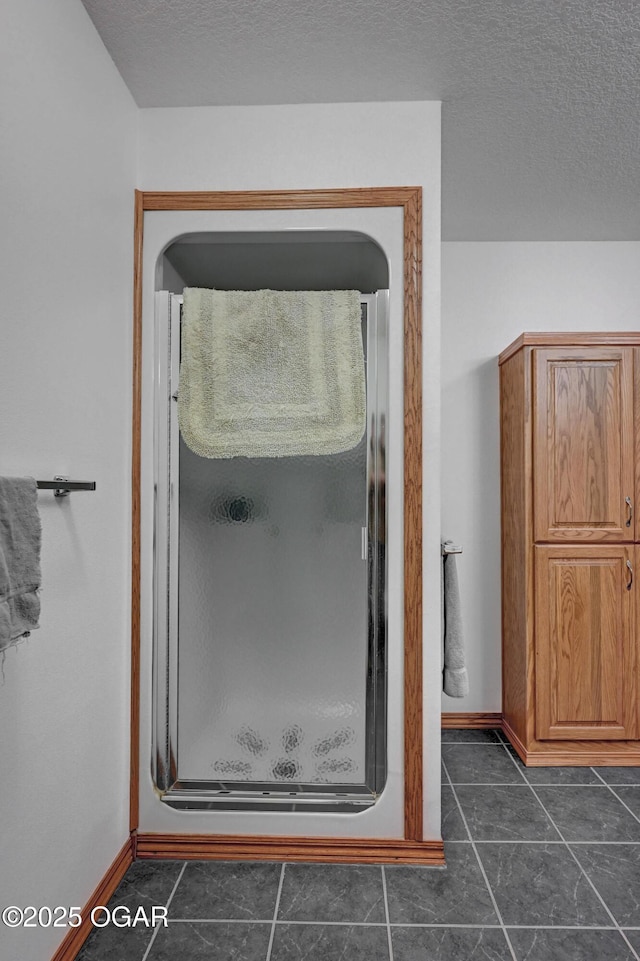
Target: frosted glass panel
{"x": 270, "y": 611}
{"x": 273, "y": 625}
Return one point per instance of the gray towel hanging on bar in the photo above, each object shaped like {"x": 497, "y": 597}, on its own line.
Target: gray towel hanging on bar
{"x": 20, "y": 534}
{"x": 455, "y": 681}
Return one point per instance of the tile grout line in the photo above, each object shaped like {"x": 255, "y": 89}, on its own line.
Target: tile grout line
{"x": 480, "y": 864}
{"x": 526, "y": 783}
{"x": 613, "y": 783}
{"x": 286, "y": 922}
{"x": 275, "y": 914}
{"x": 516, "y": 841}
{"x": 386, "y": 912}
{"x": 167, "y": 906}
{"x": 616, "y": 796}
{"x": 478, "y": 744}
{"x": 582, "y": 870}
{"x": 475, "y": 743}
{"x": 409, "y": 924}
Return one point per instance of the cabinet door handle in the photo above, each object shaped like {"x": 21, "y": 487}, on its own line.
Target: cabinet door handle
{"x": 627, "y": 501}
{"x": 630, "y": 581}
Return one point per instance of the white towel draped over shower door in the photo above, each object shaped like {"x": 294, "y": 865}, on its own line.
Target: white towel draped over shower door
{"x": 271, "y": 373}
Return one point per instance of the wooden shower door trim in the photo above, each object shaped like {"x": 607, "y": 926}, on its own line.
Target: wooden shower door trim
{"x": 136, "y": 439}
{"x": 410, "y": 200}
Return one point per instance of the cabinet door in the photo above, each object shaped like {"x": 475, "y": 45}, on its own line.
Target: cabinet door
{"x": 583, "y": 444}
{"x": 586, "y": 657}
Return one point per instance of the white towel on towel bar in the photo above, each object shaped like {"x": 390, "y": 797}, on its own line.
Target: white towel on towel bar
{"x": 455, "y": 681}
{"x": 271, "y": 373}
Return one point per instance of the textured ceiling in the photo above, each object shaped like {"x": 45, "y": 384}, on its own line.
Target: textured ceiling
{"x": 541, "y": 98}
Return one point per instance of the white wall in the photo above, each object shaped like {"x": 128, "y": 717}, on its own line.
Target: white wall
{"x": 316, "y": 146}
{"x": 492, "y": 292}
{"x": 68, "y": 171}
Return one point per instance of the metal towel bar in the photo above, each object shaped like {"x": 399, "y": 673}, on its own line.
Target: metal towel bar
{"x": 62, "y": 486}
{"x": 451, "y": 549}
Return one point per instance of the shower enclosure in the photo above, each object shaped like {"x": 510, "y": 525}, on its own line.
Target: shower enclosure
{"x": 270, "y": 638}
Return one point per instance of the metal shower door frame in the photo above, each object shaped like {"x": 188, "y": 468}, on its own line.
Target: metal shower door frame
{"x": 216, "y": 794}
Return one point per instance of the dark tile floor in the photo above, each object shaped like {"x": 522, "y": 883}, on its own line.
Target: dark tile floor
{"x": 543, "y": 864}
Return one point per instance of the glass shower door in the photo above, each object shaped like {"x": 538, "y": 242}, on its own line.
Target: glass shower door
{"x": 270, "y": 634}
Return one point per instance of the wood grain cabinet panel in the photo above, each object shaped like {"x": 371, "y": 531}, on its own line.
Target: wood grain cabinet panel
{"x": 586, "y": 669}
{"x": 583, "y": 444}
{"x": 570, "y": 475}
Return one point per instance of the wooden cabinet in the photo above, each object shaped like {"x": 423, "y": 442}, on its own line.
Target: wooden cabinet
{"x": 585, "y": 643}
{"x": 569, "y": 481}
{"x": 583, "y": 444}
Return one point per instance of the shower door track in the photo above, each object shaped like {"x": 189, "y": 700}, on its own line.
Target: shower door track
{"x": 187, "y": 794}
